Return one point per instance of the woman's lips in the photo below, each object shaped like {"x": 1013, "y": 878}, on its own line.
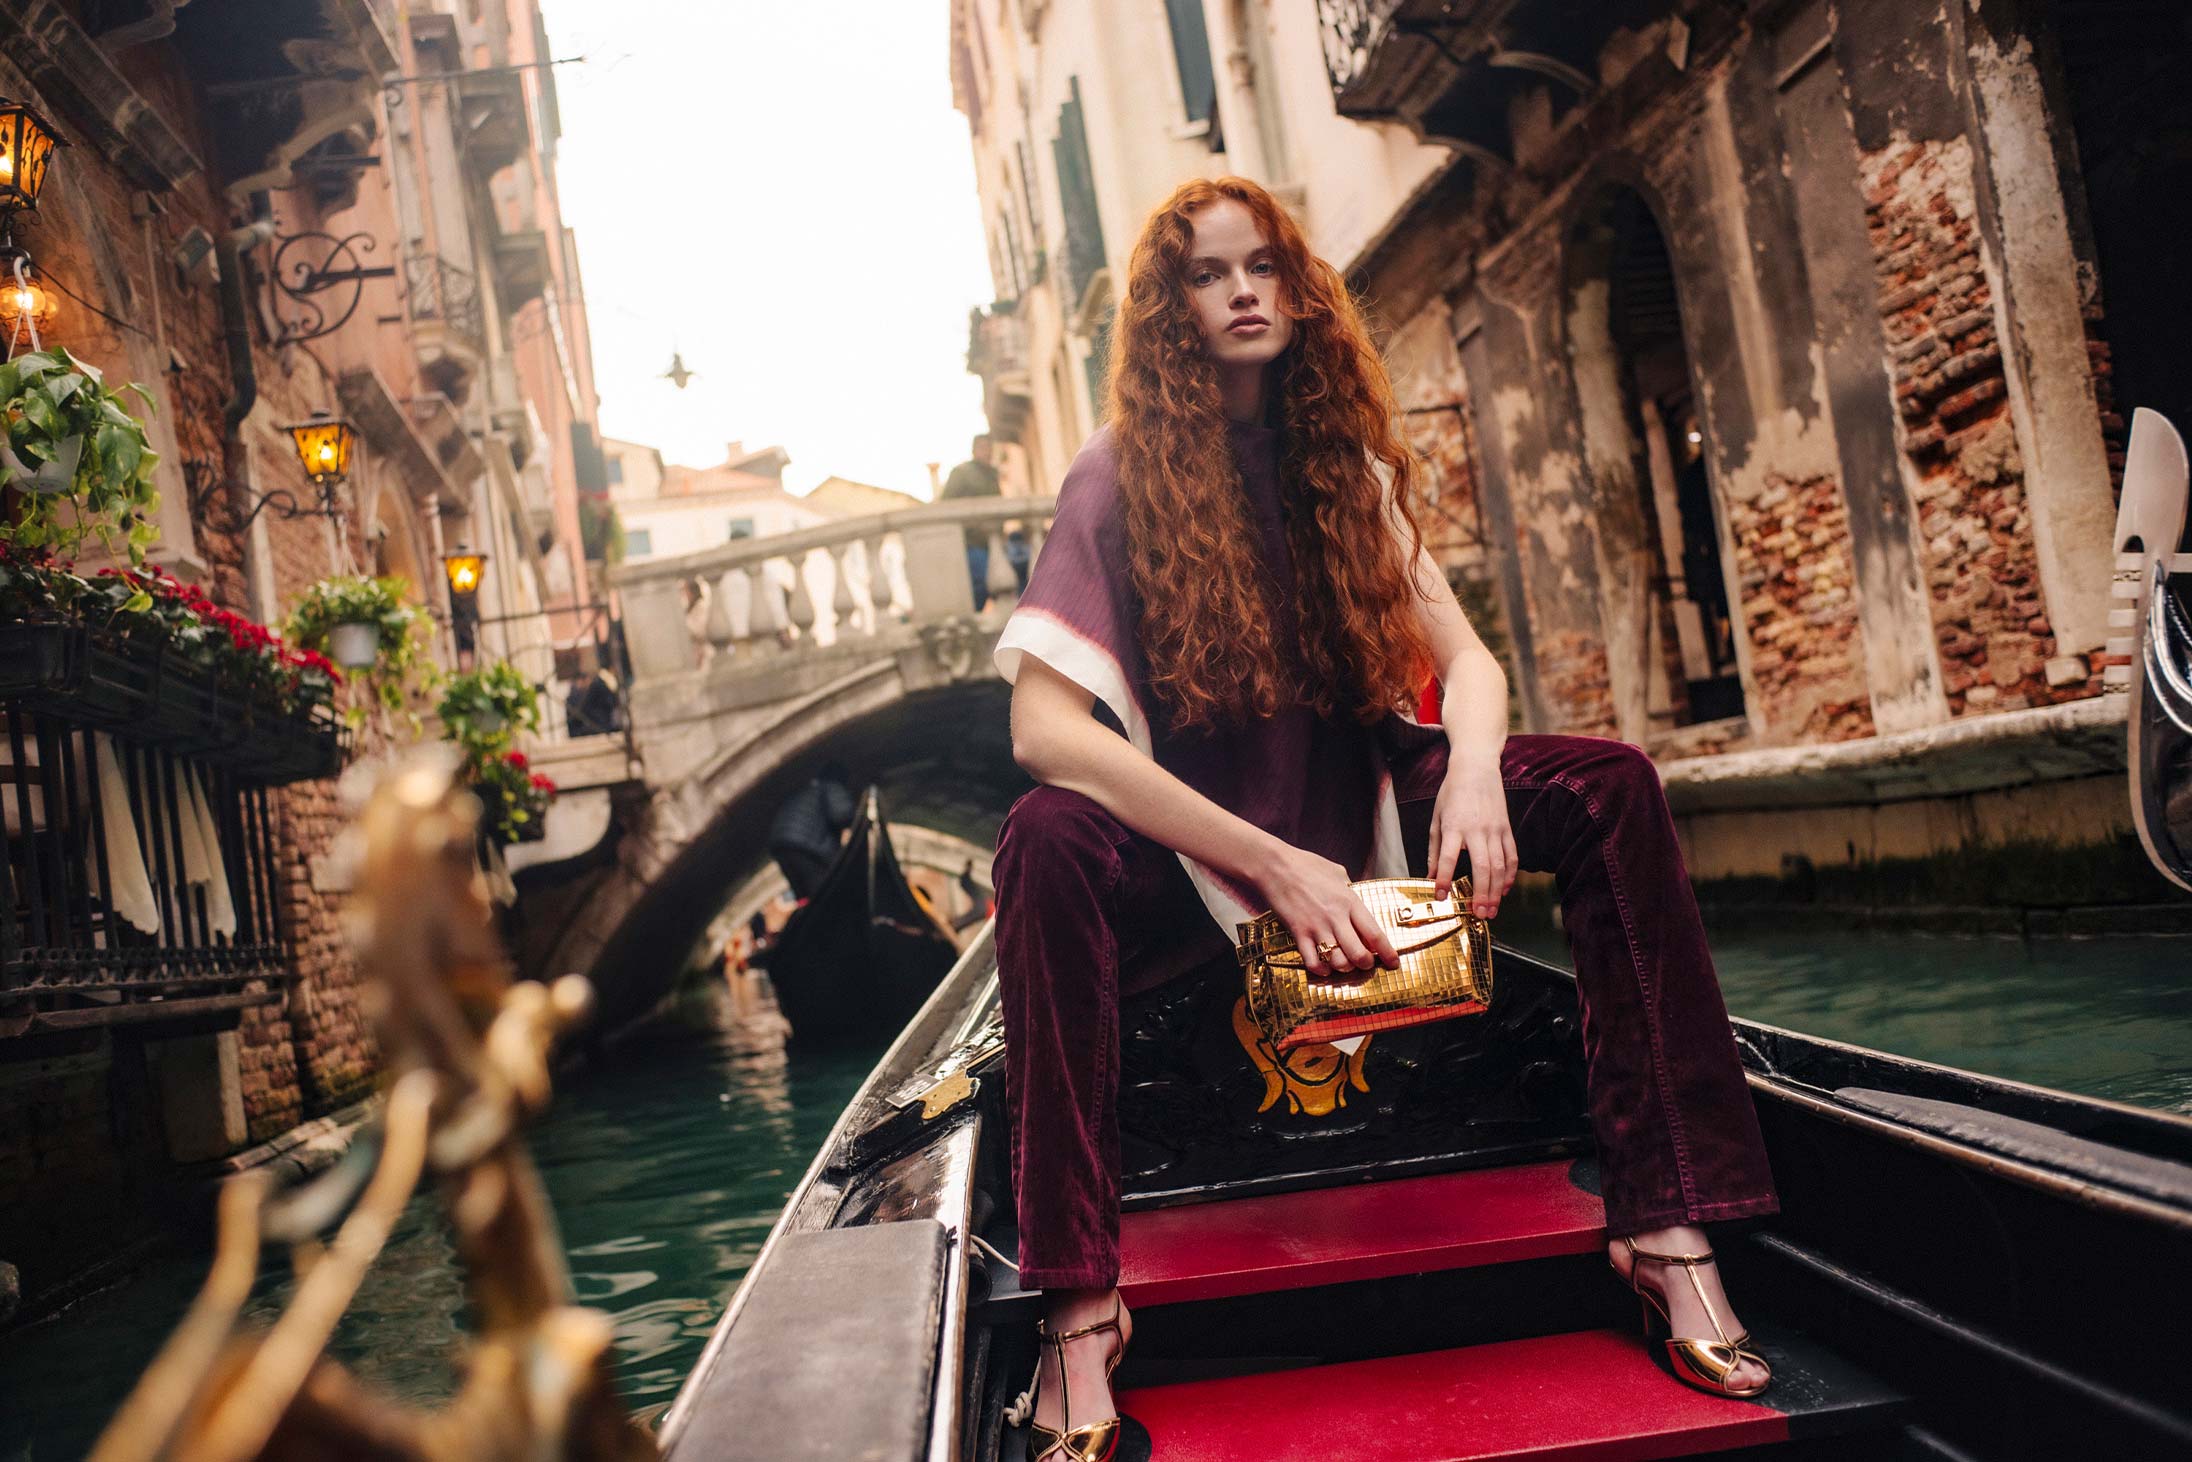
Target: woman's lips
{"x": 1248, "y": 325}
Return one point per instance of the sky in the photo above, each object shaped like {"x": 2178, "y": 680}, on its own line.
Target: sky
{"x": 783, "y": 193}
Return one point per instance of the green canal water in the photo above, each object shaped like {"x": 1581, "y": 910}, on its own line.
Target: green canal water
{"x": 669, "y": 1162}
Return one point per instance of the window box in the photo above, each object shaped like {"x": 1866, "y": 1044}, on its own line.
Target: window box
{"x": 75, "y": 675}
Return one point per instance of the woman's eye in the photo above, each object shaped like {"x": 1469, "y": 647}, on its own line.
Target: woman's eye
{"x": 1205, "y": 278}
{"x": 1264, "y": 266}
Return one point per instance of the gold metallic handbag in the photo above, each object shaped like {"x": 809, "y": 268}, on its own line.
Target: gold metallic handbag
{"x": 1445, "y": 969}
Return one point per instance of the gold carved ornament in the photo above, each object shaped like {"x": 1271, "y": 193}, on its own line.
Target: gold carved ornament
{"x": 467, "y": 1049}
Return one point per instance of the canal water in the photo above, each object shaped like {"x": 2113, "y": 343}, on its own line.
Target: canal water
{"x": 668, "y": 1163}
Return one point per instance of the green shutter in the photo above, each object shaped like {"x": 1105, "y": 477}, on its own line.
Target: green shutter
{"x": 1191, "y": 53}
{"x": 1084, "y": 241}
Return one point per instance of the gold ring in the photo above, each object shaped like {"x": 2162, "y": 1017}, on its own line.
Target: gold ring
{"x": 1328, "y": 948}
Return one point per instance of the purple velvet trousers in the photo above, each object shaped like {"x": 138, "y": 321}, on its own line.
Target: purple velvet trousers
{"x": 1088, "y": 910}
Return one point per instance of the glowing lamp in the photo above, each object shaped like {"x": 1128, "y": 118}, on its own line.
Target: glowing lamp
{"x": 27, "y": 141}
{"x": 464, "y": 570}
{"x": 25, "y": 303}
{"x": 323, "y": 447}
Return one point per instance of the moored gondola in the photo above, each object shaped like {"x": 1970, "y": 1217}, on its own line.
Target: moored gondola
{"x": 2153, "y": 593}
{"x": 854, "y": 962}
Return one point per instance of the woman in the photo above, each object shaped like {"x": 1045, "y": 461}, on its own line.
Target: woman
{"x": 1235, "y": 574}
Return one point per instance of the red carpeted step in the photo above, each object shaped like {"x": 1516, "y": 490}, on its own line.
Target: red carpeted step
{"x": 1362, "y": 1231}
{"x": 1594, "y": 1394}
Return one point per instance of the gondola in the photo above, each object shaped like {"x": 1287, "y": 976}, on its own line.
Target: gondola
{"x": 854, "y": 962}
{"x": 1398, "y": 1253}
{"x": 1401, "y": 1255}
{"x": 2154, "y": 659}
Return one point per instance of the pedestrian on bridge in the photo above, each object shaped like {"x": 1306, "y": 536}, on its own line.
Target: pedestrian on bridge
{"x": 977, "y": 478}
{"x": 1236, "y": 574}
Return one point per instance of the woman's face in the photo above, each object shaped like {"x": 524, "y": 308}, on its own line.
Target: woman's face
{"x": 1233, "y": 281}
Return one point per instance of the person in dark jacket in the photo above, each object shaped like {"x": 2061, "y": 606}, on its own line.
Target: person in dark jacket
{"x": 977, "y": 477}
{"x": 809, "y": 827}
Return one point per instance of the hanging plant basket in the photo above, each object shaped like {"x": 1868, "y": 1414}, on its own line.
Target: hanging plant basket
{"x": 354, "y": 645}
{"x": 495, "y": 818}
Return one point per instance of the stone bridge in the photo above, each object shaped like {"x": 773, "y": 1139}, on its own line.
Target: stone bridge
{"x": 755, "y": 663}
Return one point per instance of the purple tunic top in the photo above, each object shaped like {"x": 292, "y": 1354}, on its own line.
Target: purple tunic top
{"x": 1319, "y": 783}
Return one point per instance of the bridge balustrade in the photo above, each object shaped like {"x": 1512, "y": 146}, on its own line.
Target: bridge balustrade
{"x": 753, "y": 600}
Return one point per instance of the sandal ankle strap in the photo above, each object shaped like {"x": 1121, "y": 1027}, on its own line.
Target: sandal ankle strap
{"x": 1708, "y": 1257}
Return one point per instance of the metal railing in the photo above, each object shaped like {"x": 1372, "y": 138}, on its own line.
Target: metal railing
{"x": 886, "y": 571}
{"x": 137, "y": 882}
{"x": 440, "y": 290}
{"x": 1351, "y": 31}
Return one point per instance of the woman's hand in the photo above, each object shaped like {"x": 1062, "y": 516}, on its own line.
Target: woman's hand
{"x": 1314, "y": 899}
{"x": 1471, "y": 812}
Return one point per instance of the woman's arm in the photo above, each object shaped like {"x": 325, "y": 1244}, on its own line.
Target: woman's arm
{"x": 1471, "y": 811}
{"x": 1057, "y": 740}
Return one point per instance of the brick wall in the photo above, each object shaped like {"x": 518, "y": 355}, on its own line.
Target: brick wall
{"x": 1798, "y": 582}
{"x": 1937, "y": 301}
{"x": 1576, "y": 683}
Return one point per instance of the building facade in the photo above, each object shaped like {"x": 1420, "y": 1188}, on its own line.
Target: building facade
{"x": 263, "y": 211}
{"x": 1765, "y": 355}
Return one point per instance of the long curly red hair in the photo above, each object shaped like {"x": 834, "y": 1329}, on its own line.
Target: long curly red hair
{"x": 1206, "y": 628}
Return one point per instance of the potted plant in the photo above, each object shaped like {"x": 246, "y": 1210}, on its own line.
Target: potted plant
{"x": 513, "y": 797}
{"x": 488, "y": 705}
{"x": 483, "y": 711}
{"x": 73, "y": 461}
{"x": 371, "y": 627}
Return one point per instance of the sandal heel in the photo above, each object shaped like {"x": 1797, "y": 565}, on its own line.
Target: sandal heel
{"x": 1704, "y": 1365}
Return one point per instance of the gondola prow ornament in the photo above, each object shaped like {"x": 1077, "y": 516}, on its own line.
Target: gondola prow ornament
{"x": 1445, "y": 969}
{"x": 468, "y": 1050}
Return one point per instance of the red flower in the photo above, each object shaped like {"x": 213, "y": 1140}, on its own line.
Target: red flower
{"x": 543, "y": 782}
{"x": 516, "y": 759}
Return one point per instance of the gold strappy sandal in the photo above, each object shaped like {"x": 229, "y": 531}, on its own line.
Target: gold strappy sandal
{"x": 1098, "y": 1441}
{"x": 1704, "y": 1364}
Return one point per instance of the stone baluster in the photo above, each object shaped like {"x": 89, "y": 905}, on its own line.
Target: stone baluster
{"x": 1003, "y": 584}
{"x": 843, "y": 606}
{"x": 765, "y": 619}
{"x": 801, "y": 603}
{"x": 879, "y": 584}
{"x": 654, "y": 628}
{"x": 737, "y": 586}
{"x": 720, "y": 632}
{"x": 1038, "y": 530}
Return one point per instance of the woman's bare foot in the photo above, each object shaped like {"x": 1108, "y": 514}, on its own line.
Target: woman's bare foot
{"x": 1087, "y": 1398}
{"x": 1688, "y": 1315}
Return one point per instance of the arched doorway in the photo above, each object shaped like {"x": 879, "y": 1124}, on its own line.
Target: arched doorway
{"x": 1634, "y": 384}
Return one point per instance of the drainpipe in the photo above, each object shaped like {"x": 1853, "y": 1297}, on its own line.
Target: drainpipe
{"x": 236, "y": 330}
{"x": 229, "y": 251}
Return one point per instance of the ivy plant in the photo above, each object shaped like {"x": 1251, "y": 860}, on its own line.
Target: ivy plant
{"x": 402, "y": 667}
{"x": 74, "y": 459}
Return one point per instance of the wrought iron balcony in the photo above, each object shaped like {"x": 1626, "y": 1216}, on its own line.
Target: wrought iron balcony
{"x": 440, "y": 291}
{"x": 997, "y": 352}
{"x": 449, "y": 321}
{"x": 1352, "y": 31}
{"x": 140, "y": 878}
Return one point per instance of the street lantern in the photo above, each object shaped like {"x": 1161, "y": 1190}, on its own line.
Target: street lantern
{"x": 464, "y": 569}
{"x": 27, "y": 141}
{"x": 323, "y": 447}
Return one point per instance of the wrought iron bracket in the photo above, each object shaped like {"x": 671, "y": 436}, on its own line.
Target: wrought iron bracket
{"x": 309, "y": 265}
{"x": 202, "y": 483}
